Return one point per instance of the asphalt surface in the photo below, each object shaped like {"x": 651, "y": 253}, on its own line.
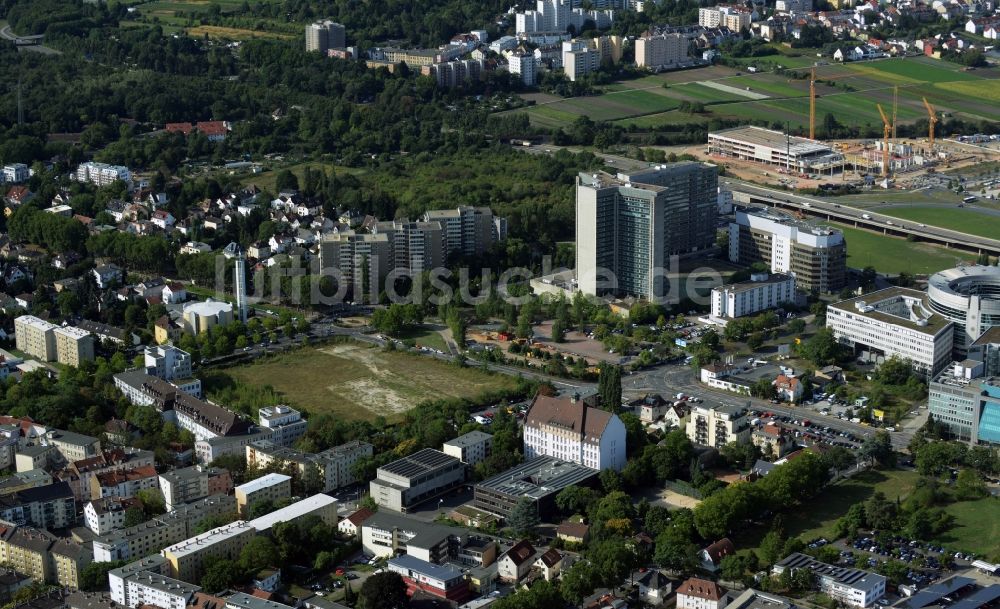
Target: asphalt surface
{"x": 7, "y": 34}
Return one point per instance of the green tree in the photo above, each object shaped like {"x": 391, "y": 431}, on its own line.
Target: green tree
{"x": 385, "y": 590}
{"x": 970, "y": 485}
{"x": 609, "y": 387}
{"x": 220, "y": 573}
{"x": 524, "y": 517}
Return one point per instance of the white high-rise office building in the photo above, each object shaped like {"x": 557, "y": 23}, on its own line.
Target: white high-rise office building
{"x": 325, "y": 35}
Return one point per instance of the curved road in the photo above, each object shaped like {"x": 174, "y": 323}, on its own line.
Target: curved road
{"x": 7, "y": 34}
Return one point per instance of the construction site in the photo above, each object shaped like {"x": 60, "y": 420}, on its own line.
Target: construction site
{"x": 767, "y": 155}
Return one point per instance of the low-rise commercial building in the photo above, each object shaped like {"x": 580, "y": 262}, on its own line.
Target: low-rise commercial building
{"x": 718, "y": 425}
{"x": 442, "y": 581}
{"x": 539, "y": 479}
{"x": 285, "y": 423}
{"x": 852, "y": 587}
{"x": 267, "y": 488}
{"x": 411, "y": 480}
{"x": 769, "y": 147}
{"x": 893, "y": 322}
{"x": 967, "y": 403}
{"x": 763, "y": 291}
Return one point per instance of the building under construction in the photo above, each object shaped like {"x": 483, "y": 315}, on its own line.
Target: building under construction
{"x": 759, "y": 145}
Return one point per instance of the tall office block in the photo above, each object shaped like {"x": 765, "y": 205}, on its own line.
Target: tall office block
{"x": 628, "y": 226}
{"x": 325, "y": 35}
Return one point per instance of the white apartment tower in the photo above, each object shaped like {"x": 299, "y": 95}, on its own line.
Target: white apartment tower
{"x": 324, "y": 35}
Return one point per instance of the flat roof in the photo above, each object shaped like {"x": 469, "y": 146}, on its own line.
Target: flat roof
{"x": 991, "y": 336}
{"x": 758, "y": 136}
{"x": 293, "y": 511}
{"x": 979, "y": 598}
{"x": 163, "y": 583}
{"x": 843, "y": 575}
{"x": 419, "y": 463}
{"x": 72, "y": 332}
{"x": 208, "y": 307}
{"x": 538, "y": 478}
{"x": 412, "y": 563}
{"x": 749, "y": 284}
{"x": 470, "y": 439}
{"x": 934, "y": 322}
{"x": 262, "y": 482}
{"x": 36, "y": 322}
{"x": 932, "y": 594}
{"x": 247, "y": 601}
{"x": 208, "y": 538}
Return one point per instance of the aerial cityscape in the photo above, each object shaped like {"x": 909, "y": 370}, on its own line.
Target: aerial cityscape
{"x": 534, "y": 304}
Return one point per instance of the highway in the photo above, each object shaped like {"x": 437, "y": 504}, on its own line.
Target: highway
{"x": 7, "y": 34}
{"x": 827, "y": 209}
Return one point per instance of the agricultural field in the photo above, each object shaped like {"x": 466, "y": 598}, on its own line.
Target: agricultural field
{"x": 963, "y": 220}
{"x": 894, "y": 255}
{"x": 849, "y": 92}
{"x": 358, "y": 381}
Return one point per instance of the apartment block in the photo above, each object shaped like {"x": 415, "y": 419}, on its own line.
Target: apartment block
{"x": 579, "y": 59}
{"x": 629, "y": 226}
{"x": 736, "y": 18}
{"x": 523, "y": 65}
{"x": 167, "y": 362}
{"x": 470, "y": 448}
{"x": 358, "y": 262}
{"x": 123, "y": 484}
{"x": 35, "y": 337}
{"x": 102, "y": 516}
{"x": 72, "y": 446}
{"x": 322, "y": 36}
{"x": 661, "y": 51}
{"x": 284, "y": 422}
{"x": 270, "y": 487}
{"x": 15, "y": 173}
{"x": 334, "y": 464}
{"x": 189, "y": 484}
{"x": 815, "y": 255}
{"x": 186, "y": 559}
{"x": 69, "y": 559}
{"x": 146, "y": 588}
{"x": 762, "y": 292}
{"x": 73, "y": 346}
{"x": 718, "y": 425}
{"x": 102, "y": 174}
{"x": 319, "y": 505}
{"x": 893, "y": 322}
{"x": 468, "y": 231}
{"x": 411, "y": 480}
{"x": 118, "y": 578}
{"x": 149, "y": 537}
{"x": 570, "y": 430}
{"x": 46, "y": 507}
{"x": 416, "y": 246}
{"x": 454, "y": 73}
{"x": 80, "y": 472}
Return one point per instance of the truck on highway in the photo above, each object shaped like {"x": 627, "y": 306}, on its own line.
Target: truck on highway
{"x": 866, "y": 216}
{"x": 806, "y": 204}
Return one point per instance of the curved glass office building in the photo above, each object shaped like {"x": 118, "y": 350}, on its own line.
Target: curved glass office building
{"x": 969, "y": 296}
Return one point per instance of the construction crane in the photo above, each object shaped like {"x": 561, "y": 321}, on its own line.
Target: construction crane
{"x": 812, "y": 105}
{"x": 932, "y": 120}
{"x": 895, "y": 100}
{"x": 887, "y": 131}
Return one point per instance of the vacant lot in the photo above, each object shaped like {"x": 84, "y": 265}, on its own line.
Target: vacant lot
{"x": 894, "y": 255}
{"x": 229, "y": 33}
{"x": 964, "y": 220}
{"x": 360, "y": 382}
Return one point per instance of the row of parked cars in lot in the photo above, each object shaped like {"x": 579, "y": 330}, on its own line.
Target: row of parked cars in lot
{"x": 814, "y": 431}
{"x": 936, "y": 559}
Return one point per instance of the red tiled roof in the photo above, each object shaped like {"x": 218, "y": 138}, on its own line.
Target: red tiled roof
{"x": 720, "y": 549}
{"x": 184, "y": 128}
{"x": 521, "y": 552}
{"x": 565, "y": 413}
{"x": 701, "y": 588}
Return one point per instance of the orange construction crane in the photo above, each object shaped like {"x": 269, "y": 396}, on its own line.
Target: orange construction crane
{"x": 932, "y": 120}
{"x": 887, "y": 131}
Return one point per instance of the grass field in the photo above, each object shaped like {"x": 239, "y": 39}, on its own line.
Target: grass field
{"x": 894, "y": 255}
{"x": 977, "y": 527}
{"x": 267, "y": 180}
{"x": 973, "y": 95}
{"x": 963, "y": 220}
{"x": 819, "y": 517}
{"x": 229, "y": 33}
{"x": 424, "y": 338}
{"x": 360, "y": 382}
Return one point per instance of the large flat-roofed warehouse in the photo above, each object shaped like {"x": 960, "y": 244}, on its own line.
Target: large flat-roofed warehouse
{"x": 773, "y": 148}
{"x": 540, "y": 480}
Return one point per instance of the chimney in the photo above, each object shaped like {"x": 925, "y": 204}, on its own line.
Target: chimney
{"x": 575, "y": 398}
